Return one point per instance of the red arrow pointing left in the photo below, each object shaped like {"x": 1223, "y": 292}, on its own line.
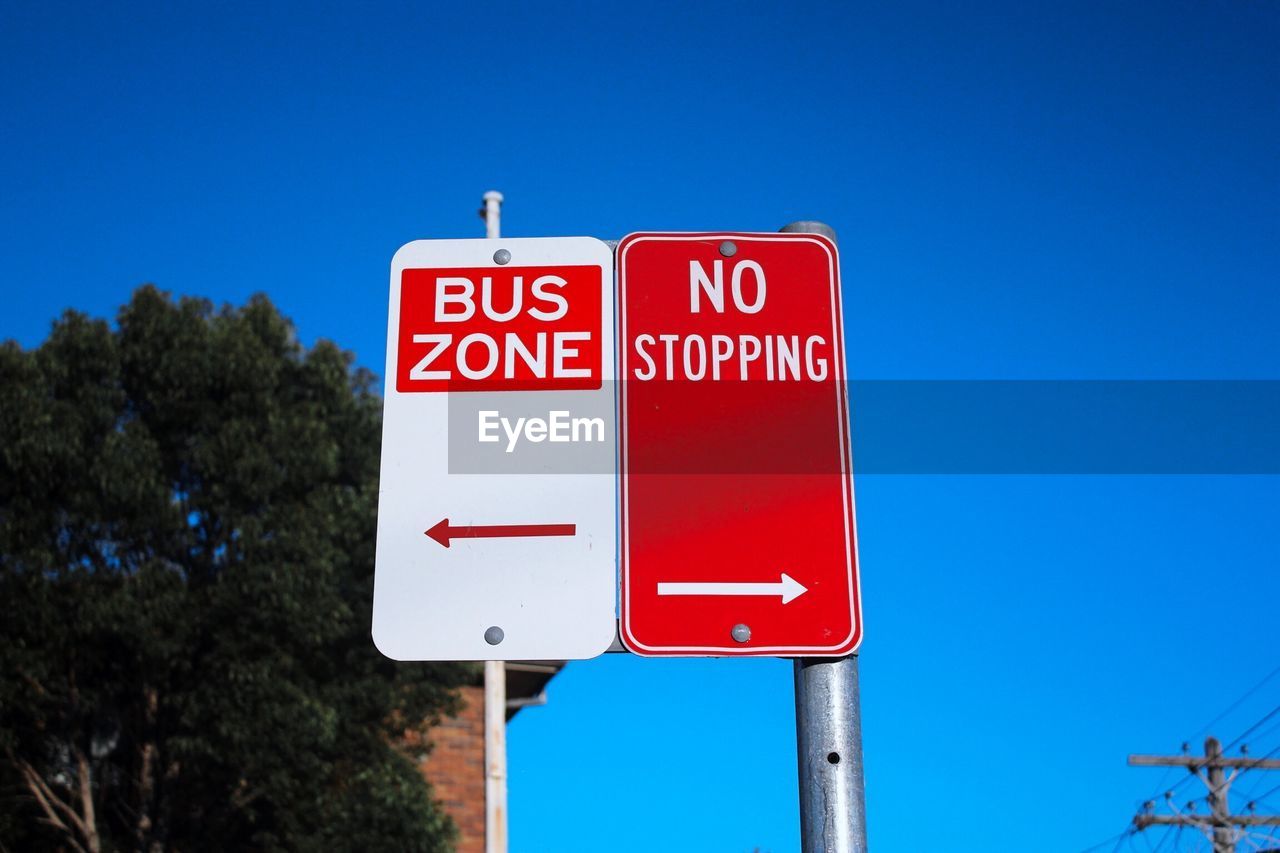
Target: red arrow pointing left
{"x": 442, "y": 532}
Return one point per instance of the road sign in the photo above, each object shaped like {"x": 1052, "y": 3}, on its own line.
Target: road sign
{"x": 737, "y": 514}
{"x": 517, "y": 561}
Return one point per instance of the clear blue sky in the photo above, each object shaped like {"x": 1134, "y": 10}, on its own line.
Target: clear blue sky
{"x": 1022, "y": 190}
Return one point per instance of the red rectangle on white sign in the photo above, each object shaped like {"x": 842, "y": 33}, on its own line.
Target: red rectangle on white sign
{"x": 500, "y": 328}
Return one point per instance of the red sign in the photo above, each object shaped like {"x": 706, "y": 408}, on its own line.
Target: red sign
{"x": 736, "y": 482}
{"x": 499, "y": 329}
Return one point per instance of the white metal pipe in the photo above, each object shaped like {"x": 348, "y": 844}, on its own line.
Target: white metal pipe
{"x": 493, "y": 214}
{"x": 495, "y": 756}
{"x": 495, "y": 671}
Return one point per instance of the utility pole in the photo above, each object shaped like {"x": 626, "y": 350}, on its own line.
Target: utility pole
{"x": 1219, "y": 825}
{"x": 495, "y": 671}
{"x": 1223, "y": 835}
{"x": 833, "y": 810}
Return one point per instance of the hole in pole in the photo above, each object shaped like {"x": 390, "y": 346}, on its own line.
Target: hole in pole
{"x": 833, "y": 758}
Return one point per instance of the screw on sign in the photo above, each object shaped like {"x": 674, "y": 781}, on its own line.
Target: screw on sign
{"x": 737, "y": 515}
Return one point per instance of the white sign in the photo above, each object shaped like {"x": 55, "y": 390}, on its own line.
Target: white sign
{"x": 517, "y": 561}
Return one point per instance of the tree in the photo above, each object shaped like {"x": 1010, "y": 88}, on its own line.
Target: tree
{"x": 187, "y": 506}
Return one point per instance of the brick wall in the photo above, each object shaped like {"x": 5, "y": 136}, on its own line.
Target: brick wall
{"x": 455, "y": 769}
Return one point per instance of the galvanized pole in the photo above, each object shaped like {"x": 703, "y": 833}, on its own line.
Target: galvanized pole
{"x": 833, "y": 815}
{"x": 495, "y": 671}
{"x": 833, "y": 812}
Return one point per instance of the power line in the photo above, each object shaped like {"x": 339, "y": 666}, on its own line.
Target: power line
{"x": 1220, "y": 821}
{"x": 1273, "y": 712}
{"x": 1253, "y": 797}
{"x": 1220, "y": 825}
{"x": 1236, "y": 704}
{"x": 1119, "y": 839}
{"x": 1245, "y": 733}
{"x": 1262, "y": 736}
{"x": 1240, "y": 700}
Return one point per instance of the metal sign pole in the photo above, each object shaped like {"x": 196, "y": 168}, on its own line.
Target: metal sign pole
{"x": 495, "y": 671}
{"x": 833, "y": 817}
{"x": 833, "y": 812}
{"x": 495, "y": 756}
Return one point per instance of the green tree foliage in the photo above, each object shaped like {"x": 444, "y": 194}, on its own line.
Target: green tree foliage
{"x": 187, "y": 507}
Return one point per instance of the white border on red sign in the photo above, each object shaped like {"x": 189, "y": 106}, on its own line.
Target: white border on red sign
{"x": 846, "y": 468}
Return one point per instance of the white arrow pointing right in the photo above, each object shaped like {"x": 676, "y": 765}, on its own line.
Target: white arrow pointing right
{"x": 788, "y": 588}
